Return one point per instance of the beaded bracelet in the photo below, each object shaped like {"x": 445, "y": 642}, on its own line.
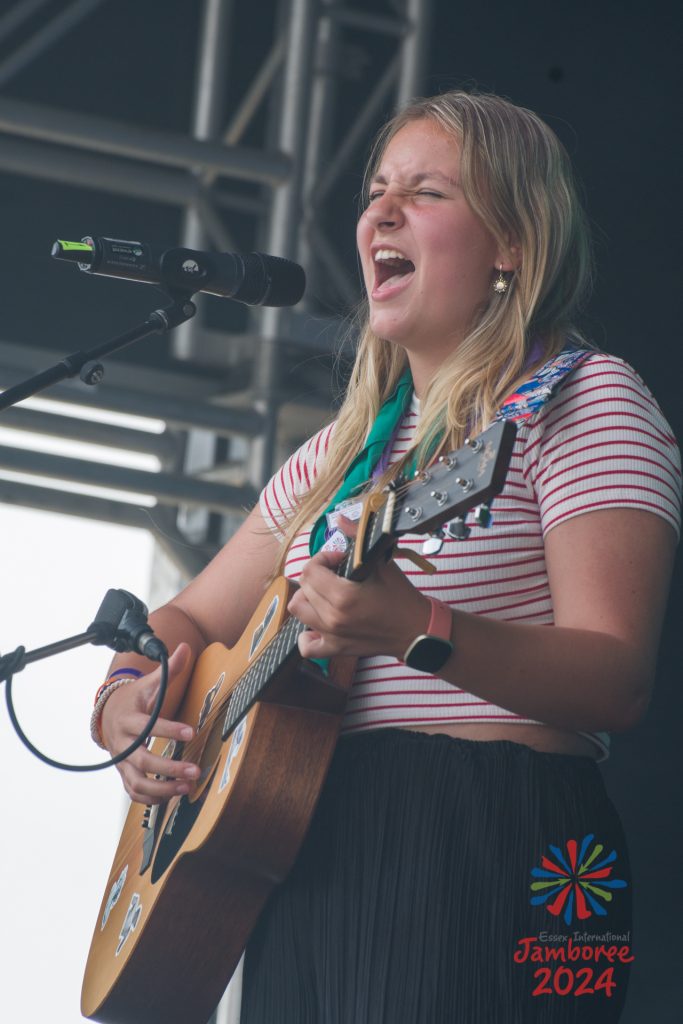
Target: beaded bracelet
{"x": 104, "y": 693}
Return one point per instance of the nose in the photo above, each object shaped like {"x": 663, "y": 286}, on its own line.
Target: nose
{"x": 385, "y": 211}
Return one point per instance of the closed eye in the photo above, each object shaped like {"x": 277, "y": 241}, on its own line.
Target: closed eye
{"x": 421, "y": 192}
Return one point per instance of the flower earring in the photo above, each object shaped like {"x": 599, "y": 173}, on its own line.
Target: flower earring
{"x": 501, "y": 284}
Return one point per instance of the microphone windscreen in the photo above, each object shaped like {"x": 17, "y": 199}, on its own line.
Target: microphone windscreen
{"x": 271, "y": 281}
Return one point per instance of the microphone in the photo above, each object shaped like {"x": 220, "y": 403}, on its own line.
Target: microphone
{"x": 255, "y": 279}
{"x": 121, "y": 623}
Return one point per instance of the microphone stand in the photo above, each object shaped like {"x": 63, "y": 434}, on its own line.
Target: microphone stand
{"x": 87, "y": 365}
{"x": 120, "y": 623}
{"x": 14, "y": 662}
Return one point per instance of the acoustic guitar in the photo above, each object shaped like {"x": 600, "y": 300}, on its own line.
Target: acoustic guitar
{"x": 191, "y": 876}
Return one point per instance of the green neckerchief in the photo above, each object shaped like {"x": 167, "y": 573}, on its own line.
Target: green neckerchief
{"x": 360, "y": 470}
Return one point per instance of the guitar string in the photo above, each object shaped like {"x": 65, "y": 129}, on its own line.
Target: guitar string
{"x": 251, "y": 680}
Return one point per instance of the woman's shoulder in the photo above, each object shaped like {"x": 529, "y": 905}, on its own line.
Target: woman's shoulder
{"x": 602, "y": 442}
{"x": 603, "y": 384}
{"x": 587, "y": 370}
{"x": 602, "y": 403}
{"x": 598, "y": 365}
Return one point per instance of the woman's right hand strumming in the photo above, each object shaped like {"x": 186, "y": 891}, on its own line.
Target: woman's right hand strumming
{"x": 125, "y": 716}
{"x": 214, "y": 607}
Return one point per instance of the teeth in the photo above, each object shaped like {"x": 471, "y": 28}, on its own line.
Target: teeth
{"x": 389, "y": 254}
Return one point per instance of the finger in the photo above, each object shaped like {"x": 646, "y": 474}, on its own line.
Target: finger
{"x": 161, "y": 759}
{"x": 326, "y": 560}
{"x": 313, "y": 644}
{"x": 164, "y": 728}
{"x": 319, "y": 578}
{"x": 177, "y": 663}
{"x": 152, "y": 764}
{"x": 305, "y": 612}
{"x": 143, "y": 789}
{"x": 347, "y": 526}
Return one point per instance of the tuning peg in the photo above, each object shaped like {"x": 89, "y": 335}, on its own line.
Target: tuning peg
{"x": 434, "y": 543}
{"x": 483, "y": 516}
{"x": 457, "y": 529}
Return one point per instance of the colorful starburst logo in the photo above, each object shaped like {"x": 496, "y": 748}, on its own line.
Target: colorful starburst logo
{"x": 576, "y": 883}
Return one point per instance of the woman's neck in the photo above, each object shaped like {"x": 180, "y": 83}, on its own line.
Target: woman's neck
{"x": 423, "y": 371}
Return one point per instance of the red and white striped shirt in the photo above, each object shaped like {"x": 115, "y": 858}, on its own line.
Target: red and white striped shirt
{"x": 600, "y": 442}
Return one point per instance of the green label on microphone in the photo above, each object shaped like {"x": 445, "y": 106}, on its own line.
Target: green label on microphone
{"x": 71, "y": 246}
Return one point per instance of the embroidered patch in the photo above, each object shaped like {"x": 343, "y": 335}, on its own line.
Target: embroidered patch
{"x": 209, "y": 701}
{"x": 130, "y": 921}
{"x": 235, "y": 744}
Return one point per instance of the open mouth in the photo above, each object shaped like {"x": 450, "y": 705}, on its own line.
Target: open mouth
{"x": 390, "y": 267}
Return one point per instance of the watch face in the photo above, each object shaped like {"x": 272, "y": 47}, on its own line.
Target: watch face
{"x": 428, "y": 653}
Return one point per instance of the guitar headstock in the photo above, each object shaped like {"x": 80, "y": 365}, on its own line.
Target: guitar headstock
{"x": 454, "y": 484}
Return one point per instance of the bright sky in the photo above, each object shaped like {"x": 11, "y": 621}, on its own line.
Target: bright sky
{"x": 60, "y": 829}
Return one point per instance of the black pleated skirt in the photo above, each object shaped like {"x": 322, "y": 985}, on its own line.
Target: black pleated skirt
{"x": 411, "y": 900}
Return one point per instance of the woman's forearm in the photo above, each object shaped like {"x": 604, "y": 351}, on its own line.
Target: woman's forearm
{"x": 570, "y": 678}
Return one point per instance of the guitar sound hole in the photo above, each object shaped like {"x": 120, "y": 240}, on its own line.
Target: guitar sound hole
{"x": 185, "y": 812}
{"x": 176, "y": 830}
{"x": 171, "y": 829}
{"x": 154, "y": 815}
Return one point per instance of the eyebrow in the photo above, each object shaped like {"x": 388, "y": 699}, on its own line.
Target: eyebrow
{"x": 415, "y": 179}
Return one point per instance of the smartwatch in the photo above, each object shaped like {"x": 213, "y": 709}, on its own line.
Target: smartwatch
{"x": 431, "y": 650}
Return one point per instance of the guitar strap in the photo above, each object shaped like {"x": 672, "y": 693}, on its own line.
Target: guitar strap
{"x": 374, "y": 456}
{"x": 539, "y": 389}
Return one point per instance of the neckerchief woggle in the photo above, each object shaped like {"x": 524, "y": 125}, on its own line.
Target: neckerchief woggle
{"x": 523, "y": 403}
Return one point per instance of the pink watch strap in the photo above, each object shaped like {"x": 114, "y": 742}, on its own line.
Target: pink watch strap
{"x": 440, "y": 621}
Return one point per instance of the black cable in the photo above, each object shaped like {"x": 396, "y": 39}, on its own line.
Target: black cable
{"x": 147, "y": 731}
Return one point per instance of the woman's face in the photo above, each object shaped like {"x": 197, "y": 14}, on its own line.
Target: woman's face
{"x": 427, "y": 260}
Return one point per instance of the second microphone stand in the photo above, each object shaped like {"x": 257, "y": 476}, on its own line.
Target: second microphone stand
{"x": 87, "y": 364}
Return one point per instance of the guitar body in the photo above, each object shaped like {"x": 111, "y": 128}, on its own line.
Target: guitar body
{"x": 190, "y": 878}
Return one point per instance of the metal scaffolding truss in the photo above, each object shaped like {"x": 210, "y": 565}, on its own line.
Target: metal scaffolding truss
{"x": 278, "y": 159}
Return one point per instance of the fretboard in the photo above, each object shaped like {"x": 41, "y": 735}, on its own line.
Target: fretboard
{"x": 252, "y": 683}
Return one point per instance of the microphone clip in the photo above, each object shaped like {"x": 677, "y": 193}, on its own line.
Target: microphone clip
{"x": 121, "y": 623}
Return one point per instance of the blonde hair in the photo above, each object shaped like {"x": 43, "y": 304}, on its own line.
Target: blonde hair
{"x": 517, "y": 178}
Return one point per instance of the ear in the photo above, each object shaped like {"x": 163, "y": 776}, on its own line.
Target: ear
{"x": 509, "y": 256}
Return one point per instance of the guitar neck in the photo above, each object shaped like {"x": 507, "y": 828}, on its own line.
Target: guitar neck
{"x": 254, "y": 681}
